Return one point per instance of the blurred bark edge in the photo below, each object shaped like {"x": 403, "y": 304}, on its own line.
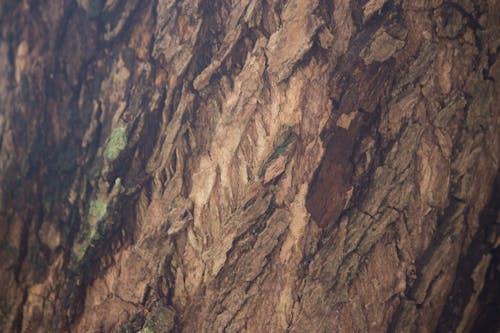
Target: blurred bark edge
{"x": 249, "y": 166}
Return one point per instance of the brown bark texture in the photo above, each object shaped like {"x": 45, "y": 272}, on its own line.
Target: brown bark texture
{"x": 249, "y": 166}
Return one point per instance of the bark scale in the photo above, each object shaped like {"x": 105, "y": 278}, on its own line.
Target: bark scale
{"x": 258, "y": 165}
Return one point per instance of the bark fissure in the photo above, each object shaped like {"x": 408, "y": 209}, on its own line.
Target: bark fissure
{"x": 274, "y": 166}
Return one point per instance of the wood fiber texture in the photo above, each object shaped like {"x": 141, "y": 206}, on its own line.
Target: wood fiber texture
{"x": 249, "y": 166}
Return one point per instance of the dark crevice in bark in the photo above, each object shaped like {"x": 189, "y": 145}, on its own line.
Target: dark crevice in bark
{"x": 464, "y": 285}
{"x": 23, "y": 252}
{"x": 62, "y": 30}
{"x": 53, "y": 108}
{"x": 488, "y": 320}
{"x": 18, "y": 321}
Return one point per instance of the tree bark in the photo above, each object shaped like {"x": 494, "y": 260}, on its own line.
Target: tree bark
{"x": 256, "y": 165}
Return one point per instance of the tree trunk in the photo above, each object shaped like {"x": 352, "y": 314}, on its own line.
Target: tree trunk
{"x": 256, "y": 165}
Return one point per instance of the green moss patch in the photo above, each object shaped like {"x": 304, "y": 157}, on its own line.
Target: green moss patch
{"x": 116, "y": 143}
{"x": 98, "y": 209}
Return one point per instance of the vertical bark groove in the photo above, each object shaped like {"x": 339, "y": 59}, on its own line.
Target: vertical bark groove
{"x": 259, "y": 165}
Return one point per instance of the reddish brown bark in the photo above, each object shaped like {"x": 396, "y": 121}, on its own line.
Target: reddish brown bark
{"x": 261, "y": 166}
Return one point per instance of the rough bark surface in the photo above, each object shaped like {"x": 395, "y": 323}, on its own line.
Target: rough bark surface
{"x": 253, "y": 165}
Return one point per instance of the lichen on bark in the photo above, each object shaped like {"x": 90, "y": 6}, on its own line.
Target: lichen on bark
{"x": 263, "y": 166}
